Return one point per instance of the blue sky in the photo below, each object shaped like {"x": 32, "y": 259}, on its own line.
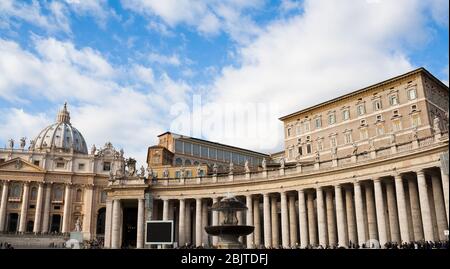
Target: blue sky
{"x": 132, "y": 69}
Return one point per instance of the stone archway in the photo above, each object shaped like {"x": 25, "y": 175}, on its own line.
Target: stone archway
{"x": 101, "y": 218}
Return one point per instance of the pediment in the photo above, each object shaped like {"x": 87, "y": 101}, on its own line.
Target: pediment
{"x": 19, "y": 164}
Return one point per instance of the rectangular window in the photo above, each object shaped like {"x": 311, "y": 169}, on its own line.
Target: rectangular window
{"x": 396, "y": 125}
{"x": 227, "y": 156}
{"x": 288, "y": 132}
{"x": 319, "y": 145}
{"x": 187, "y": 148}
{"x": 379, "y": 118}
{"x": 306, "y": 126}
{"x": 300, "y": 150}
{"x": 331, "y": 119}
{"x": 361, "y": 109}
{"x": 106, "y": 166}
{"x": 346, "y": 114}
{"x": 81, "y": 166}
{"x": 415, "y": 120}
{"x": 393, "y": 100}
{"x": 220, "y": 155}
{"x": 177, "y": 174}
{"x": 412, "y": 94}
{"x": 348, "y": 138}
{"x": 333, "y": 142}
{"x": 318, "y": 123}
{"x": 178, "y": 146}
{"x": 235, "y": 158}
{"x": 308, "y": 149}
{"x": 35, "y": 162}
{"x": 377, "y": 105}
{"x": 196, "y": 150}
{"x": 60, "y": 165}
{"x": 204, "y": 151}
{"x": 363, "y": 134}
{"x": 297, "y": 129}
{"x": 380, "y": 130}
{"x": 212, "y": 153}
{"x": 188, "y": 173}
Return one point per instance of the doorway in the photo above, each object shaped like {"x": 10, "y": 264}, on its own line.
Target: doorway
{"x": 12, "y": 222}
{"x": 56, "y": 223}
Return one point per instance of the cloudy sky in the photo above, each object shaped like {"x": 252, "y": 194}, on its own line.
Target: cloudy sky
{"x": 224, "y": 70}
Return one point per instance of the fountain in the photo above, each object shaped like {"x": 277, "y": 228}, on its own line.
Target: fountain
{"x": 229, "y": 231}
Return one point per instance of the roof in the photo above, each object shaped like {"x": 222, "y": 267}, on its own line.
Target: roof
{"x": 213, "y": 143}
{"x": 416, "y": 71}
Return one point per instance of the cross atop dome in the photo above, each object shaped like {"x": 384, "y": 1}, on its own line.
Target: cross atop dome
{"x": 63, "y": 115}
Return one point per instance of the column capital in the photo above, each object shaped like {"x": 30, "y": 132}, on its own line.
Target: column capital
{"x": 301, "y": 191}
{"x": 377, "y": 180}
{"x": 338, "y": 186}
{"x": 266, "y": 195}
{"x": 26, "y": 183}
{"x": 420, "y": 172}
{"x": 356, "y": 182}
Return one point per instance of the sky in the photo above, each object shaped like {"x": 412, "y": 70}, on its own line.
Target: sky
{"x": 222, "y": 70}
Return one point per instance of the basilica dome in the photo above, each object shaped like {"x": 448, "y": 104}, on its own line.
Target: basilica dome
{"x": 61, "y": 136}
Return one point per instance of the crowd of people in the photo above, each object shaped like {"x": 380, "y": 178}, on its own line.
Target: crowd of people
{"x": 6, "y": 245}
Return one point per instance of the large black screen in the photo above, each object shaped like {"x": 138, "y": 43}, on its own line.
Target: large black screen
{"x": 159, "y": 232}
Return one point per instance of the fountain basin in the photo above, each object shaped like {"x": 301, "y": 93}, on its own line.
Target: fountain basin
{"x": 237, "y": 230}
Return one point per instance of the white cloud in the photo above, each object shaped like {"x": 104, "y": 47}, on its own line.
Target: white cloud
{"x": 16, "y": 123}
{"x": 334, "y": 47}
{"x": 127, "y": 106}
{"x": 163, "y": 59}
{"x": 11, "y": 10}
{"x": 208, "y": 17}
{"x": 95, "y": 8}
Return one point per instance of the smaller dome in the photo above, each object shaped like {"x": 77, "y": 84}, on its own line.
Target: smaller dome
{"x": 61, "y": 136}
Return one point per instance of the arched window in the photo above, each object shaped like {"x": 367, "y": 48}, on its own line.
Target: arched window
{"x": 15, "y": 191}
{"x": 196, "y": 163}
{"x": 33, "y": 196}
{"x": 79, "y": 195}
{"x": 187, "y": 163}
{"x": 179, "y": 162}
{"x": 57, "y": 193}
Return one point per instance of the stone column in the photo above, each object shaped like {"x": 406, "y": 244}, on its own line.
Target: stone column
{"x": 402, "y": 211}
{"x": 302, "y": 219}
{"x": 257, "y": 222}
{"x": 379, "y": 204}
{"x": 275, "y": 221}
{"x": 425, "y": 206}
{"x": 108, "y": 223}
{"x": 140, "y": 224}
{"x": 331, "y": 218}
{"x": 215, "y": 221}
{"x": 284, "y": 221}
{"x": 88, "y": 213}
{"x": 340, "y": 215}
{"x": 66, "y": 214}
{"x": 359, "y": 210}
{"x": 267, "y": 230}
{"x": 439, "y": 207}
{"x": 3, "y": 204}
{"x": 350, "y": 212}
{"x": 292, "y": 221}
{"x": 38, "y": 211}
{"x": 415, "y": 210}
{"x": 46, "y": 216}
{"x": 321, "y": 218}
{"x": 204, "y": 222}
{"x": 393, "y": 215}
{"x": 165, "y": 215}
{"x": 445, "y": 187}
{"x": 24, "y": 208}
{"x": 182, "y": 223}
{"x": 198, "y": 222}
{"x": 115, "y": 230}
{"x": 188, "y": 223}
{"x": 249, "y": 219}
{"x": 371, "y": 213}
{"x": 312, "y": 219}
